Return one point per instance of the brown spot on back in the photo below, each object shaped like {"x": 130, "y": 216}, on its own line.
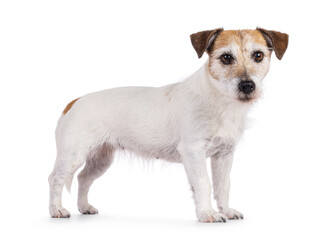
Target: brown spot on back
{"x": 69, "y": 106}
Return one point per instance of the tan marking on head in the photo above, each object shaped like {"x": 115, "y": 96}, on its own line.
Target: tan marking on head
{"x": 69, "y": 106}
{"x": 256, "y": 36}
{"x": 228, "y": 37}
{"x": 241, "y": 38}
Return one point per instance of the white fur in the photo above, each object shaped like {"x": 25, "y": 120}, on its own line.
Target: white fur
{"x": 185, "y": 122}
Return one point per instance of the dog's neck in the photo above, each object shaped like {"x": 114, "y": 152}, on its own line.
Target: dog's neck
{"x": 228, "y": 114}
{"x": 203, "y": 85}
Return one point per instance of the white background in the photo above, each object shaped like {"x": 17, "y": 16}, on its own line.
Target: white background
{"x": 52, "y": 52}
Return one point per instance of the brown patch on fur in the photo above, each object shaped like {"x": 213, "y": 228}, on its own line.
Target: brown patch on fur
{"x": 240, "y": 38}
{"x": 202, "y": 41}
{"x": 226, "y": 38}
{"x": 69, "y": 106}
{"x": 256, "y": 36}
{"x": 276, "y": 40}
{"x": 236, "y": 36}
{"x": 242, "y": 46}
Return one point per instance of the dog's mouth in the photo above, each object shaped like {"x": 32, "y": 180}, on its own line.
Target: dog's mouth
{"x": 246, "y": 98}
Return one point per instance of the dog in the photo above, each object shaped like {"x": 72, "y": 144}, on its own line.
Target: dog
{"x": 201, "y": 117}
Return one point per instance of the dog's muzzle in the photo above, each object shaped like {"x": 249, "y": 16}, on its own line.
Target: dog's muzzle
{"x": 247, "y": 86}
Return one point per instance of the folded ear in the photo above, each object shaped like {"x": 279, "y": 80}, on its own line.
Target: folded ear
{"x": 202, "y": 41}
{"x": 276, "y": 40}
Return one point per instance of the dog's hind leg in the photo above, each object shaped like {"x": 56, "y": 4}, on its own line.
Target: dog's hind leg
{"x": 96, "y": 165}
{"x": 65, "y": 167}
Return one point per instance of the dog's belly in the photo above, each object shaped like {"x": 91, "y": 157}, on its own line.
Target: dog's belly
{"x": 146, "y": 150}
{"x": 168, "y": 153}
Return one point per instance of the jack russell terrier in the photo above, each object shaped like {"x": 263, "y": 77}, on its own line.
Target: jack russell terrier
{"x": 186, "y": 122}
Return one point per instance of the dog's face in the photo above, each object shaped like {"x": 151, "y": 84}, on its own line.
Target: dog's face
{"x": 239, "y": 60}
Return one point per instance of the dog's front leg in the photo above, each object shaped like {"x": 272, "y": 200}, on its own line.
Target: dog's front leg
{"x": 221, "y": 164}
{"x": 194, "y": 162}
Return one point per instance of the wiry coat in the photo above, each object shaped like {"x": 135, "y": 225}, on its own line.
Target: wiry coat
{"x": 187, "y": 122}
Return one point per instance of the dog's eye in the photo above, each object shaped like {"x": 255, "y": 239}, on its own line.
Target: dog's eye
{"x": 258, "y": 56}
{"x": 226, "y": 59}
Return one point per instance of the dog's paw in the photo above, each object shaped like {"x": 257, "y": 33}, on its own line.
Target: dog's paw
{"x": 59, "y": 212}
{"x": 87, "y": 209}
{"x": 231, "y": 213}
{"x": 211, "y": 216}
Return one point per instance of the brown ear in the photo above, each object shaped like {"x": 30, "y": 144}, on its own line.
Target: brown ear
{"x": 276, "y": 40}
{"x": 202, "y": 41}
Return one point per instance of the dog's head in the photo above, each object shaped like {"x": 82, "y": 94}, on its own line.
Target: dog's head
{"x": 239, "y": 59}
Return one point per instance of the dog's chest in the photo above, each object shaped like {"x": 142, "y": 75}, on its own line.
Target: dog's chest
{"x": 224, "y": 131}
{"x": 227, "y": 122}
{"x": 230, "y": 128}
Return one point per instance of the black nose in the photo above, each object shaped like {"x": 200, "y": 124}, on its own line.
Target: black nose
{"x": 247, "y": 86}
